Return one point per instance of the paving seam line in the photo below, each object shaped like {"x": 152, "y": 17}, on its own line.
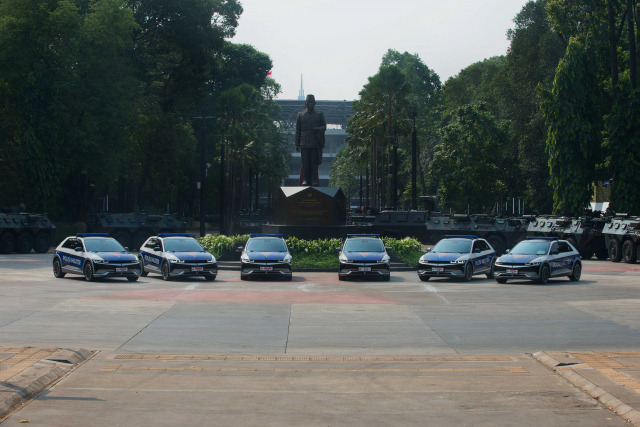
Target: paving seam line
{"x": 614, "y": 404}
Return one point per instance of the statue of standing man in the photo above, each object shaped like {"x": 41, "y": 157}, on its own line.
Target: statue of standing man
{"x": 310, "y": 127}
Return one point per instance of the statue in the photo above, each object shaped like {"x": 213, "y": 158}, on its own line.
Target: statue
{"x": 310, "y": 128}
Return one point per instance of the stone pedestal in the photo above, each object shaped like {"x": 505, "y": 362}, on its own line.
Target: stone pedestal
{"x": 310, "y": 206}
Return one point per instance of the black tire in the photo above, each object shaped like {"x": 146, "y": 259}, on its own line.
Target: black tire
{"x": 132, "y": 278}
{"x": 493, "y": 266}
{"x": 7, "y": 242}
{"x": 629, "y": 251}
{"x": 386, "y": 278}
{"x": 602, "y": 253}
{"x": 498, "y": 243}
{"x": 243, "y": 277}
{"x": 615, "y": 251}
{"x": 342, "y": 278}
{"x": 57, "y": 269}
{"x": 143, "y": 273}
{"x": 288, "y": 278}
{"x": 164, "y": 270}
{"x": 468, "y": 272}
{"x": 210, "y": 277}
{"x": 501, "y": 281}
{"x": 88, "y": 271}
{"x": 545, "y": 274}
{"x": 425, "y": 278}
{"x": 42, "y": 242}
{"x": 24, "y": 242}
{"x": 576, "y": 271}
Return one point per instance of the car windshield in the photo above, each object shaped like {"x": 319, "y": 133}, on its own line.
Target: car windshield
{"x": 102, "y": 244}
{"x": 363, "y": 245}
{"x": 457, "y": 246}
{"x": 266, "y": 245}
{"x": 530, "y": 248}
{"x": 182, "y": 245}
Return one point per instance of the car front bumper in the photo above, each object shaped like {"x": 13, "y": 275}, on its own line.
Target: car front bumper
{"x": 440, "y": 270}
{"x": 117, "y": 270}
{"x": 193, "y": 269}
{"x": 266, "y": 269}
{"x": 364, "y": 269}
{"x": 516, "y": 271}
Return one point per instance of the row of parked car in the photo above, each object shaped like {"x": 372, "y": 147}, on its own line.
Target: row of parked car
{"x": 172, "y": 255}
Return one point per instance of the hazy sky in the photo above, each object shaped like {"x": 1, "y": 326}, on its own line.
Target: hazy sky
{"x": 336, "y": 44}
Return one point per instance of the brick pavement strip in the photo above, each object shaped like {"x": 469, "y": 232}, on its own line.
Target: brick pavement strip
{"x": 25, "y": 372}
{"x": 573, "y": 365}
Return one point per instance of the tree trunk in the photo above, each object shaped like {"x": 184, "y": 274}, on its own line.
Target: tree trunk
{"x": 632, "y": 45}
{"x": 613, "y": 56}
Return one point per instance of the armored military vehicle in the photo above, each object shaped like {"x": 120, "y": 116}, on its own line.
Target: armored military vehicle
{"x": 584, "y": 233}
{"x": 622, "y": 238}
{"x": 132, "y": 229}
{"x": 22, "y": 232}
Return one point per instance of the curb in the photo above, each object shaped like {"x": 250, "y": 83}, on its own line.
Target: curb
{"x": 37, "y": 377}
{"x": 618, "y": 407}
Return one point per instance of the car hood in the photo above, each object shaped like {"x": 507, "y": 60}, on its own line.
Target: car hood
{"x": 267, "y": 256}
{"x": 518, "y": 259}
{"x": 442, "y": 256}
{"x": 364, "y": 256}
{"x": 192, "y": 256}
{"x": 116, "y": 256}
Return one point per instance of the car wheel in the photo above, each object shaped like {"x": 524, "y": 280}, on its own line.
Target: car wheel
{"x": 386, "y": 278}
{"x": 87, "y": 270}
{"x": 468, "y": 272}
{"x": 57, "y": 269}
{"x": 132, "y": 278}
{"x": 425, "y": 278}
{"x": 615, "y": 252}
{"x": 501, "y": 281}
{"x": 342, "y": 278}
{"x": 493, "y": 266}
{"x": 166, "y": 275}
{"x": 243, "y": 277}
{"x": 210, "y": 277}
{"x": 576, "y": 272}
{"x": 629, "y": 252}
{"x": 143, "y": 272}
{"x": 545, "y": 273}
{"x": 288, "y": 278}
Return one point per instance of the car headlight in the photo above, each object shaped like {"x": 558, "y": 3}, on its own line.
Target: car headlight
{"x": 245, "y": 258}
{"x": 386, "y": 259}
{"x": 533, "y": 263}
{"x": 460, "y": 261}
{"x": 99, "y": 261}
{"x": 173, "y": 259}
{"x": 343, "y": 258}
{"x": 212, "y": 260}
{"x": 287, "y": 258}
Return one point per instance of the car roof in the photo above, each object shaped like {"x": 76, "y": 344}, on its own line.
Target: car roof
{"x": 168, "y": 235}
{"x": 352, "y": 236}
{"x": 277, "y": 236}
{"x": 461, "y": 236}
{"x": 85, "y": 235}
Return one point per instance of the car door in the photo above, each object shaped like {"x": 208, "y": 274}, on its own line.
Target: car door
{"x": 481, "y": 256}
{"x": 567, "y": 256}
{"x": 70, "y": 259}
{"x": 556, "y": 262}
{"x": 152, "y": 259}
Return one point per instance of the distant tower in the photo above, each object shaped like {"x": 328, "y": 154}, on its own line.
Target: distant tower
{"x": 301, "y": 93}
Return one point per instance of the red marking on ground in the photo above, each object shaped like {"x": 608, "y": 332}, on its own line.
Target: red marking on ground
{"x": 252, "y": 297}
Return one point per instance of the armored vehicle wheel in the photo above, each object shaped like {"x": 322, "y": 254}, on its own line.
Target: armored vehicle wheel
{"x": 57, "y": 269}
{"x": 615, "y": 251}
{"x": 165, "y": 271}
{"x": 42, "y": 242}
{"x": 24, "y": 242}
{"x": 629, "y": 251}
{"x": 576, "y": 272}
{"x": 87, "y": 270}
{"x": 468, "y": 272}
{"x": 545, "y": 273}
{"x": 7, "y": 242}
{"x": 602, "y": 253}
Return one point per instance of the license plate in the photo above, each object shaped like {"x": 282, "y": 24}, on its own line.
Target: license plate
{"x": 121, "y": 269}
{"x": 512, "y": 271}
{"x": 266, "y": 268}
{"x": 437, "y": 269}
{"x": 364, "y": 268}
{"x": 196, "y": 268}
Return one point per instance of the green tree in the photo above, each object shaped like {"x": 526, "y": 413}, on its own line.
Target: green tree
{"x": 467, "y": 161}
{"x": 573, "y": 115}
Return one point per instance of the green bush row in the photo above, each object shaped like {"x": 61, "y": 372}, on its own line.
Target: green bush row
{"x": 219, "y": 244}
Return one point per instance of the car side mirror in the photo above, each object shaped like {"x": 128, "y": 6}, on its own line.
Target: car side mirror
{"x": 507, "y": 251}
{"x": 555, "y": 252}
{"x": 126, "y": 248}
{"x": 476, "y": 251}
{"x": 157, "y": 248}
{"x": 78, "y": 249}
{"x": 387, "y": 249}
{"x": 338, "y": 250}
{"x": 239, "y": 249}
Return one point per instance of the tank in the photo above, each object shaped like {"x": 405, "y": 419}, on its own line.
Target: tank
{"x": 622, "y": 238}
{"x": 584, "y": 233}
{"x": 23, "y": 232}
{"x": 132, "y": 229}
{"x": 398, "y": 224}
{"x": 500, "y": 232}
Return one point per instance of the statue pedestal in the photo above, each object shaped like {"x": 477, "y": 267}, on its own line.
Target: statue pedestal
{"x": 309, "y": 213}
